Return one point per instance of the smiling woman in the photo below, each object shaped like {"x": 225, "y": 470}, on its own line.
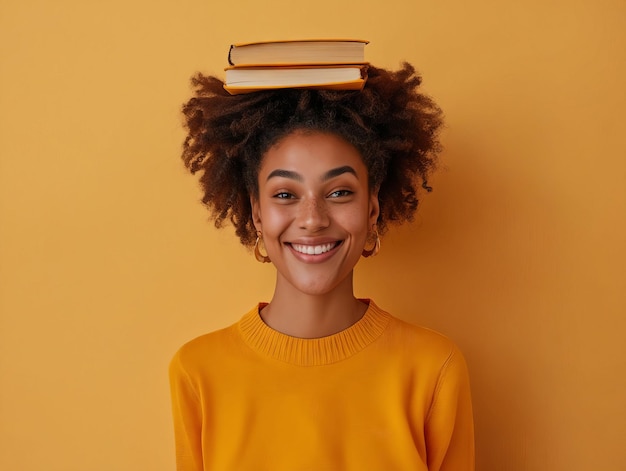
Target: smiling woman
{"x": 317, "y": 379}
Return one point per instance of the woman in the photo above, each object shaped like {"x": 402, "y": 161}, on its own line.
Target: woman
{"x": 317, "y": 379}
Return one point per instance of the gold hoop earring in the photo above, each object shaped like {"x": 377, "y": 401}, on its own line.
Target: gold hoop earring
{"x": 257, "y": 252}
{"x": 372, "y": 238}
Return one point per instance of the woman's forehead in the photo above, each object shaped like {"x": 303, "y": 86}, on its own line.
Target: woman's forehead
{"x": 312, "y": 151}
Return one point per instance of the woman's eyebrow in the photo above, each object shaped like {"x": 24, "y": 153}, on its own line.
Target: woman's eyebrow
{"x": 285, "y": 174}
{"x": 335, "y": 172}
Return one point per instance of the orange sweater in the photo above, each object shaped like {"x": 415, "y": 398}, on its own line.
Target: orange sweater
{"x": 382, "y": 395}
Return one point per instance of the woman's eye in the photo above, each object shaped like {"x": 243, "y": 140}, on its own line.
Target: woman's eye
{"x": 283, "y": 195}
{"x": 340, "y": 193}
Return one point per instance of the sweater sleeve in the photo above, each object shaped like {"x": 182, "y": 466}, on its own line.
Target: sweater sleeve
{"x": 187, "y": 412}
{"x": 449, "y": 426}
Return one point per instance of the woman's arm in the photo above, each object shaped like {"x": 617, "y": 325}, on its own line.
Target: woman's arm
{"x": 449, "y": 425}
{"x": 187, "y": 411}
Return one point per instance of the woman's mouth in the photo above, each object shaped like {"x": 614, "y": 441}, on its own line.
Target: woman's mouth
{"x": 314, "y": 249}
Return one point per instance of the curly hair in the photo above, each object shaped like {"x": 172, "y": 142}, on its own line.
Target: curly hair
{"x": 393, "y": 126}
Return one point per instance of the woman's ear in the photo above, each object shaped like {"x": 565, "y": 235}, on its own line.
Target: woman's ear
{"x": 256, "y": 213}
{"x": 374, "y": 208}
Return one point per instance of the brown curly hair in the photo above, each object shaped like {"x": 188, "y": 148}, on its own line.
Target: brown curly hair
{"x": 393, "y": 126}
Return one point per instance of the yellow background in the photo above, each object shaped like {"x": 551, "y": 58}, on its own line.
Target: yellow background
{"x": 107, "y": 263}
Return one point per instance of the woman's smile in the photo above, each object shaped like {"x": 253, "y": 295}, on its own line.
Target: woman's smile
{"x": 314, "y": 253}
{"x": 314, "y": 249}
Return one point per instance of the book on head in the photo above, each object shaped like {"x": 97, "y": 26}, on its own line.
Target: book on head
{"x": 305, "y": 51}
{"x": 337, "y": 77}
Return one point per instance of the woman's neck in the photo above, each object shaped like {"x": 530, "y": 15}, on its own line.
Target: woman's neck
{"x": 302, "y": 315}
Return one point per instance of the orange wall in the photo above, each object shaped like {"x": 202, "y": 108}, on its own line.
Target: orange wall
{"x": 107, "y": 263}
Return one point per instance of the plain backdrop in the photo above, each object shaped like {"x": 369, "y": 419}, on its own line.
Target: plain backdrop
{"x": 108, "y": 263}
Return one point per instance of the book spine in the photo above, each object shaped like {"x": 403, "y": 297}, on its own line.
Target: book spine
{"x": 232, "y": 46}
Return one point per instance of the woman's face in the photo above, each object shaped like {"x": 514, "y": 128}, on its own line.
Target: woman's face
{"x": 314, "y": 209}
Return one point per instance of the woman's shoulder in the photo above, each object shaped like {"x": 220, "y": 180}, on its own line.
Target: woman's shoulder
{"x": 214, "y": 344}
{"x": 207, "y": 341}
{"x": 418, "y": 339}
{"x": 200, "y": 350}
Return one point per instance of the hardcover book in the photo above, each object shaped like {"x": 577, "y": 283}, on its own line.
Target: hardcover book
{"x": 306, "y": 51}
{"x": 337, "y": 77}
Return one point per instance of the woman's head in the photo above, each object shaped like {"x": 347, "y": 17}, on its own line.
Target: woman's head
{"x": 393, "y": 127}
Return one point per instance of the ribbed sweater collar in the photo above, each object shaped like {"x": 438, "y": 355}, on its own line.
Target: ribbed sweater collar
{"x": 313, "y": 352}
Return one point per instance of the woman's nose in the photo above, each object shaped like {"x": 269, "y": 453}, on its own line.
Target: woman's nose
{"x": 313, "y": 214}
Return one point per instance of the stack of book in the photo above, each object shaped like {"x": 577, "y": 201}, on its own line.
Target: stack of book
{"x": 337, "y": 64}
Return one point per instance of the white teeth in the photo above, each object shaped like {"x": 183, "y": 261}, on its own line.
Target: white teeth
{"x": 312, "y": 249}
